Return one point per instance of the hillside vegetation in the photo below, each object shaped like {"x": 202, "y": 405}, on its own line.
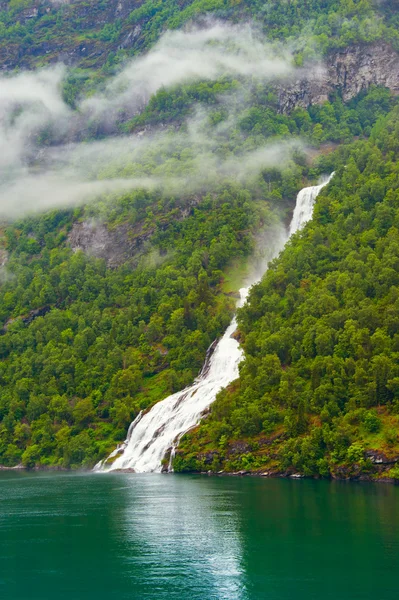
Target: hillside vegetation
{"x": 84, "y": 347}
{"x": 318, "y": 391}
{"x": 99, "y": 36}
{"x": 87, "y": 341}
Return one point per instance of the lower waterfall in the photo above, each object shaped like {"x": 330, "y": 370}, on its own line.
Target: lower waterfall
{"x": 152, "y": 434}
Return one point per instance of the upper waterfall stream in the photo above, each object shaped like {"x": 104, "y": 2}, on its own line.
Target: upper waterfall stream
{"x": 152, "y": 434}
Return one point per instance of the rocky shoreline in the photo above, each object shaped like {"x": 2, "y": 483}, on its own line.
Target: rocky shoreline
{"x": 243, "y": 473}
{"x": 282, "y": 475}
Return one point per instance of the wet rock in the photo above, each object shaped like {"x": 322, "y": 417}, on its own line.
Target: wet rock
{"x": 131, "y": 37}
{"x": 387, "y": 480}
{"x": 379, "y": 458}
{"x": 236, "y": 335}
{"x": 124, "y": 471}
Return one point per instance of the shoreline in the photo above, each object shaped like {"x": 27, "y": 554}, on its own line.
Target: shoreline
{"x": 265, "y": 474}
{"x": 299, "y": 476}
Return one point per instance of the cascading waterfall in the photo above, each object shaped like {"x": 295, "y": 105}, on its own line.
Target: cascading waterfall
{"x": 152, "y": 434}
{"x": 305, "y": 202}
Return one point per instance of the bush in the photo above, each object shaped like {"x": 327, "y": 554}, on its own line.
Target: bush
{"x": 371, "y": 422}
{"x": 355, "y": 452}
{"x": 394, "y": 472}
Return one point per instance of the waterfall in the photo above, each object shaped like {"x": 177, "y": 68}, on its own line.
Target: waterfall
{"x": 152, "y": 434}
{"x": 305, "y": 202}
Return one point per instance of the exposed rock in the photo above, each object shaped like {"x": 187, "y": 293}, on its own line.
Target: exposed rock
{"x": 124, "y": 471}
{"x": 349, "y": 70}
{"x": 379, "y": 458}
{"x": 208, "y": 457}
{"x": 115, "y": 246}
{"x": 38, "y": 312}
{"x": 29, "y": 13}
{"x": 236, "y": 335}
{"x": 131, "y": 37}
{"x": 239, "y": 447}
{"x": 309, "y": 87}
{"x": 119, "y": 244}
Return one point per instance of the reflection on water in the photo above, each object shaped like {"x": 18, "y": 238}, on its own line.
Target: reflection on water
{"x": 157, "y": 537}
{"x": 186, "y": 530}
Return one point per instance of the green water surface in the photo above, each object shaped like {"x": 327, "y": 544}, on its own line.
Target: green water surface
{"x": 65, "y": 536}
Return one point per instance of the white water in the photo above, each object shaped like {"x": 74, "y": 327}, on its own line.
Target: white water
{"x": 305, "y": 202}
{"x": 151, "y": 435}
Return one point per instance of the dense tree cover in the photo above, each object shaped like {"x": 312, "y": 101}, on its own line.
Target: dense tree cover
{"x": 319, "y": 387}
{"x": 83, "y": 347}
{"x": 116, "y": 340}
{"x": 102, "y": 35}
{"x": 257, "y": 117}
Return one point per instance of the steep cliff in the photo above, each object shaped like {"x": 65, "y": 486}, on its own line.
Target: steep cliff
{"x": 350, "y": 71}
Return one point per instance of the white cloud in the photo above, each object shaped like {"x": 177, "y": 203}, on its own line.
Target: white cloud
{"x": 180, "y": 56}
{"x": 34, "y": 178}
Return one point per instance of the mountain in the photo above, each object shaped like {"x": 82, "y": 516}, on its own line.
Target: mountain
{"x": 155, "y": 199}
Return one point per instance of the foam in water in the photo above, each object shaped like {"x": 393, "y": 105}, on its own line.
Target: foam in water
{"x": 152, "y": 434}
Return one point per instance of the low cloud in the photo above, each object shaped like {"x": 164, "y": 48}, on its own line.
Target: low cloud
{"x": 180, "y": 56}
{"x": 66, "y": 187}
{"x": 36, "y": 178}
{"x": 28, "y": 102}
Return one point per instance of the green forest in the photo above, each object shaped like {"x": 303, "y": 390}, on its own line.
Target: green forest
{"x": 85, "y": 345}
{"x": 318, "y": 391}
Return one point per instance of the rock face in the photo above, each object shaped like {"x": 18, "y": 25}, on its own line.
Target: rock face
{"x": 122, "y": 243}
{"x": 27, "y": 319}
{"x": 379, "y": 458}
{"x": 115, "y": 246}
{"x": 349, "y": 71}
{"x": 84, "y": 51}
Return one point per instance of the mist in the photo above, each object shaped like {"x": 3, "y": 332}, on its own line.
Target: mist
{"x": 36, "y": 178}
{"x": 181, "y": 56}
{"x": 28, "y": 102}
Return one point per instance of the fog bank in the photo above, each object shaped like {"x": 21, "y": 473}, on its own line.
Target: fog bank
{"x": 36, "y": 177}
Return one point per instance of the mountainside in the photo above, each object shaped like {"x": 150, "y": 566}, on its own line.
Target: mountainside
{"x": 318, "y": 391}
{"x": 94, "y": 34}
{"x": 143, "y": 185}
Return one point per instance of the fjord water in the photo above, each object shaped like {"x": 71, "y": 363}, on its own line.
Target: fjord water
{"x": 167, "y": 537}
{"x": 151, "y": 435}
